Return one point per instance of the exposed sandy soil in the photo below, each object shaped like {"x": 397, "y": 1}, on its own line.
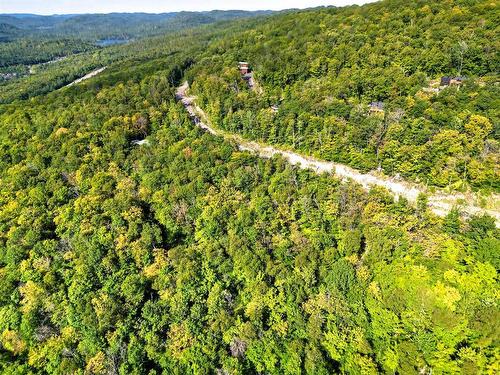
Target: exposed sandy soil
{"x": 440, "y": 202}
{"x": 87, "y": 76}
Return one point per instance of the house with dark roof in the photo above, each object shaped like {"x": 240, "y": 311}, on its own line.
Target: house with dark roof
{"x": 451, "y": 81}
{"x": 376, "y": 107}
{"x": 445, "y": 81}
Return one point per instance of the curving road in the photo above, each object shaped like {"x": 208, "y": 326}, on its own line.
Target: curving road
{"x": 440, "y": 203}
{"x": 87, "y": 76}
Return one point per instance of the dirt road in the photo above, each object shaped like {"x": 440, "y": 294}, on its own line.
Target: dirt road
{"x": 440, "y": 202}
{"x": 87, "y": 76}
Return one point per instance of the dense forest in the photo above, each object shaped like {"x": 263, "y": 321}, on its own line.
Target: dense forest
{"x": 28, "y": 43}
{"x": 99, "y": 26}
{"x": 31, "y": 67}
{"x": 181, "y": 254}
{"x": 322, "y": 69}
{"x": 36, "y": 52}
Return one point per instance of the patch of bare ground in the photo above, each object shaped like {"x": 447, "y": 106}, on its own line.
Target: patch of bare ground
{"x": 440, "y": 202}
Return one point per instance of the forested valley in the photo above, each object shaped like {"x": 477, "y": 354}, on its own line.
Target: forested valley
{"x": 133, "y": 242}
{"x": 41, "y": 53}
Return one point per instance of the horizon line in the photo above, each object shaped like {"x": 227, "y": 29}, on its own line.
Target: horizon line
{"x": 183, "y": 11}
{"x": 154, "y": 13}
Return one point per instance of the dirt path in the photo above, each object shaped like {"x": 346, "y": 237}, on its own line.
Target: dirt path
{"x": 87, "y": 76}
{"x": 440, "y": 202}
{"x": 252, "y": 83}
{"x": 32, "y": 68}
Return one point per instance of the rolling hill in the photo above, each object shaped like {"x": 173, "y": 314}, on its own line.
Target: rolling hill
{"x": 124, "y": 25}
{"x": 134, "y": 242}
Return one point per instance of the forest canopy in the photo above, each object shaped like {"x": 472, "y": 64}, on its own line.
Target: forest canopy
{"x": 360, "y": 85}
{"x": 182, "y": 254}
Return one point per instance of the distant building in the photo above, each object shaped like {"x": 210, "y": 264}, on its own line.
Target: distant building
{"x": 243, "y": 67}
{"x": 376, "y": 107}
{"x": 7, "y": 76}
{"x": 445, "y": 81}
{"x": 450, "y": 81}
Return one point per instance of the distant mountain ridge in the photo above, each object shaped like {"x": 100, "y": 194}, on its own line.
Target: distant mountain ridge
{"x": 95, "y": 26}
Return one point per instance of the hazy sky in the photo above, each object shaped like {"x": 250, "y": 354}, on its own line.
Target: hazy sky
{"x": 155, "y": 6}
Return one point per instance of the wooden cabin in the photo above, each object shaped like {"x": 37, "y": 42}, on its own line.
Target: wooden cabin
{"x": 243, "y": 67}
